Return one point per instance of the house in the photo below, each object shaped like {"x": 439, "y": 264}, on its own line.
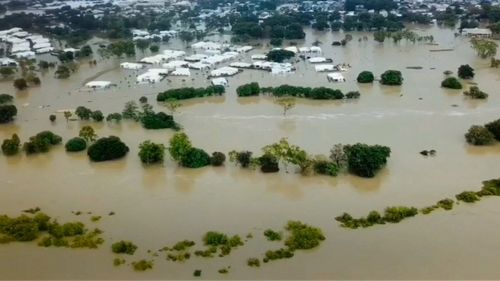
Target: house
{"x": 324, "y": 67}
{"x": 477, "y": 32}
{"x": 181, "y": 71}
{"x": 335, "y": 77}
{"x": 319, "y": 60}
{"x": 175, "y": 64}
{"x": 98, "y": 84}
{"x": 8, "y": 62}
{"x": 259, "y": 57}
{"x": 131, "y": 65}
{"x": 153, "y": 75}
{"x": 198, "y": 66}
{"x": 220, "y": 82}
{"x": 195, "y": 57}
{"x": 239, "y": 64}
{"x": 224, "y": 71}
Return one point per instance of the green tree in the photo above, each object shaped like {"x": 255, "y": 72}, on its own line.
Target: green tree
{"x": 286, "y": 103}
{"x": 179, "y": 146}
{"x": 494, "y": 128}
{"x": 67, "y": 115}
{"x": 117, "y": 117}
{"x": 131, "y": 111}
{"x": 365, "y": 77}
{"x": 250, "y": 89}
{"x": 475, "y": 93}
{"x": 479, "y": 135}
{"x": 195, "y": 158}
{"x": 365, "y": 160}
{"x": 52, "y": 117}
{"x": 75, "y": 144}
{"x": 142, "y": 44}
{"x": 292, "y": 154}
{"x": 6, "y": 72}
{"x": 150, "y": 152}
{"x": 279, "y": 55}
{"x": 87, "y": 133}
{"x": 7, "y": 113}
{"x": 11, "y": 146}
{"x": 5, "y": 98}
{"x": 107, "y": 148}
{"x": 154, "y": 48}
{"x": 97, "y": 116}
{"x": 379, "y": 36}
{"x": 484, "y": 48}
{"x": 172, "y": 105}
{"x": 392, "y": 78}
{"x": 451, "y": 83}
{"x": 466, "y": 72}
{"x": 20, "y": 84}
{"x": 217, "y": 158}
{"x": 83, "y": 113}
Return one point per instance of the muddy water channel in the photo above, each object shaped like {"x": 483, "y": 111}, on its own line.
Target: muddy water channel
{"x": 160, "y": 205}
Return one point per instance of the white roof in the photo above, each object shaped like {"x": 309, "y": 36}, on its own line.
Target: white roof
{"x": 304, "y": 49}
{"x": 198, "y": 65}
{"x": 206, "y": 45}
{"x": 149, "y": 77}
{"x": 7, "y": 61}
{"x": 71, "y": 50}
{"x": 317, "y": 59}
{"x": 221, "y": 81}
{"x": 98, "y": 84}
{"x": 315, "y": 49}
{"x": 477, "y": 31}
{"x": 157, "y": 59}
{"x": 181, "y": 71}
{"x": 131, "y": 65}
{"x": 244, "y": 49}
{"x": 174, "y": 54}
{"x": 324, "y": 67}
{"x": 44, "y": 50}
{"x": 292, "y": 49}
{"x": 10, "y": 31}
{"x": 281, "y": 68}
{"x": 174, "y": 64}
{"x": 27, "y": 54}
{"x": 336, "y": 76}
{"x": 41, "y": 45}
{"x": 259, "y": 57}
{"x": 196, "y": 57}
{"x": 226, "y": 70}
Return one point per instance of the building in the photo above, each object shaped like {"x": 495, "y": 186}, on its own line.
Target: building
{"x": 477, "y": 32}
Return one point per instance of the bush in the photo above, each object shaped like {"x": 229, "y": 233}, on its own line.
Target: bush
{"x": 253, "y": 262}
{"x": 217, "y": 159}
{"x": 246, "y": 90}
{"x": 272, "y": 235}
{"x": 114, "y": 116}
{"x": 244, "y": 158}
{"x": 276, "y": 41}
{"x": 20, "y": 84}
{"x": 105, "y": 149}
{"x": 479, "y": 135}
{"x": 392, "y": 78}
{"x": 268, "y": 163}
{"x": 150, "y": 152}
{"x": 365, "y": 160}
{"x": 142, "y": 265}
{"x": 195, "y": 158}
{"x": 52, "y": 118}
{"x": 451, "y": 83}
{"x": 475, "y": 93}
{"x": 466, "y": 72}
{"x": 278, "y": 254}
{"x": 352, "y": 95}
{"x": 365, "y": 77}
{"x": 143, "y": 99}
{"x": 41, "y": 142}
{"x": 324, "y": 167}
{"x": 467, "y": 196}
{"x": 7, "y": 113}
{"x": 124, "y": 247}
{"x": 97, "y": 116}
{"x": 303, "y": 236}
{"x": 397, "y": 214}
{"x": 76, "y": 144}
{"x": 494, "y": 128}
{"x": 11, "y": 146}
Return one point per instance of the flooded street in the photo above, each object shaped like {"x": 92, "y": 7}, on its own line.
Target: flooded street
{"x": 160, "y": 205}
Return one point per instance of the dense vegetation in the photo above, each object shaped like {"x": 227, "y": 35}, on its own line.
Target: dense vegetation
{"x": 76, "y": 144}
{"x": 11, "y": 146}
{"x": 188, "y": 156}
{"x": 107, "y": 148}
{"x": 475, "y": 93}
{"x": 7, "y": 113}
{"x": 41, "y": 142}
{"x": 150, "y": 152}
{"x": 392, "y": 78}
{"x": 250, "y": 89}
{"x": 189, "y": 93}
{"x": 279, "y": 55}
{"x": 466, "y": 72}
{"x": 451, "y": 83}
{"x": 365, "y": 77}
{"x": 124, "y": 247}
{"x": 479, "y": 135}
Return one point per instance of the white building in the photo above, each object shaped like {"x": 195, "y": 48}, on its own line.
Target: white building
{"x": 477, "y": 32}
{"x": 324, "y": 67}
{"x": 224, "y": 71}
{"x": 335, "y": 77}
{"x": 131, "y": 65}
{"x": 220, "y": 82}
{"x": 181, "y": 71}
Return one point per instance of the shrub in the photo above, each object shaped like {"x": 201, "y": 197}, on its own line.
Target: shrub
{"x": 244, "y": 158}
{"x": 279, "y": 55}
{"x": 278, "y": 254}
{"x": 479, "y": 135}
{"x": 214, "y": 238}
{"x": 160, "y": 120}
{"x": 324, "y": 167}
{"x": 142, "y": 265}
{"x": 352, "y": 95}
{"x": 114, "y": 116}
{"x": 87, "y": 133}
{"x": 268, "y": 163}
{"x": 217, "y": 159}
{"x": 150, "y": 152}
{"x": 52, "y": 118}
{"x": 446, "y": 204}
{"x": 124, "y": 247}
{"x": 41, "y": 142}
{"x": 451, "y": 83}
{"x": 494, "y": 128}
{"x": 11, "y": 146}
{"x": 75, "y": 144}
{"x": 97, "y": 116}
{"x": 195, "y": 158}
{"x": 197, "y": 273}
{"x": 303, "y": 236}
{"x": 466, "y": 72}
{"x": 143, "y": 99}
{"x": 467, "y": 196}
{"x": 4, "y": 98}
{"x": 365, "y": 160}
{"x": 365, "y": 77}
{"x": 20, "y": 84}
{"x": 276, "y": 41}
{"x": 253, "y": 262}
{"x": 392, "y": 78}
{"x": 179, "y": 146}
{"x": 7, "y": 113}
{"x": 272, "y": 235}
{"x": 475, "y": 93}
{"x": 246, "y": 90}
{"x": 105, "y": 149}
{"x": 154, "y": 48}
{"x": 397, "y": 214}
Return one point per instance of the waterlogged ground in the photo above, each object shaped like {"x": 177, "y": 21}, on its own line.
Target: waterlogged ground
{"x": 160, "y": 205}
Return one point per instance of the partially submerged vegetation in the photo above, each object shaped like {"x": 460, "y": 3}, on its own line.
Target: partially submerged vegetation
{"x": 319, "y": 93}
{"x": 124, "y": 247}
{"x": 484, "y": 135}
{"x": 188, "y": 156}
{"x": 41, "y": 142}
{"x": 397, "y": 214}
{"x": 142, "y": 265}
{"x": 189, "y": 93}
{"x": 217, "y": 241}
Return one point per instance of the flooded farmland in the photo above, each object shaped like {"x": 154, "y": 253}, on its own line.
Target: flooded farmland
{"x": 160, "y": 205}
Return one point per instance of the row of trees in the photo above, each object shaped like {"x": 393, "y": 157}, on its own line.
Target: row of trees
{"x": 39, "y": 143}
{"x": 360, "y": 159}
{"x": 389, "y": 77}
{"x": 189, "y": 93}
{"x": 320, "y": 93}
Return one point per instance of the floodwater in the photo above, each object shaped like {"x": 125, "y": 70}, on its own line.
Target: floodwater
{"x": 159, "y": 205}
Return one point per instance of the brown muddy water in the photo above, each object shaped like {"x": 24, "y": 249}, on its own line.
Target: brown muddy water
{"x": 159, "y": 205}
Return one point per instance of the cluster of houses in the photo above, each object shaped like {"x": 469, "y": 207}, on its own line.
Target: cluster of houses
{"x": 22, "y": 44}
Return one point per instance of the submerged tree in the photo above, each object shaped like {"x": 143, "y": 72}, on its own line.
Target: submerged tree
{"x": 484, "y": 48}
{"x": 88, "y": 133}
{"x": 286, "y": 103}
{"x": 11, "y": 146}
{"x": 150, "y": 152}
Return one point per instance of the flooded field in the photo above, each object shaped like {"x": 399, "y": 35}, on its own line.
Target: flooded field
{"x": 159, "y": 205}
